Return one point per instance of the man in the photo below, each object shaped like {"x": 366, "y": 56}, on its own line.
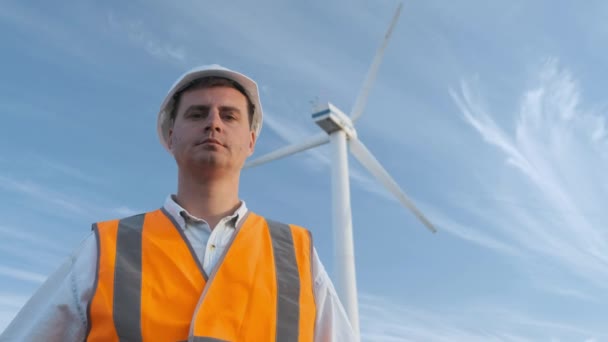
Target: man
{"x": 203, "y": 267}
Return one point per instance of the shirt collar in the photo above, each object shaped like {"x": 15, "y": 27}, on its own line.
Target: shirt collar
{"x": 178, "y": 213}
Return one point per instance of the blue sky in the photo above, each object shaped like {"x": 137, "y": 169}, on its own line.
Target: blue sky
{"x": 491, "y": 115}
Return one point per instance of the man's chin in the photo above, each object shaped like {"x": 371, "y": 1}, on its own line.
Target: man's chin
{"x": 207, "y": 161}
{"x": 211, "y": 162}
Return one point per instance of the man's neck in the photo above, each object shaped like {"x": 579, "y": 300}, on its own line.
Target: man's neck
{"x": 210, "y": 200}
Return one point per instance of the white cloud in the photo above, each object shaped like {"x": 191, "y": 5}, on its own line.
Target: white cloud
{"x": 141, "y": 36}
{"x": 48, "y": 164}
{"x": 10, "y": 303}
{"x": 20, "y": 242}
{"x": 17, "y": 274}
{"x": 34, "y": 239}
{"x": 567, "y": 292}
{"x": 599, "y": 132}
{"x": 386, "y": 320}
{"x": 558, "y": 161}
{"x": 470, "y": 233}
{"x": 58, "y": 203}
{"x": 42, "y": 194}
{"x": 14, "y": 301}
{"x": 125, "y": 211}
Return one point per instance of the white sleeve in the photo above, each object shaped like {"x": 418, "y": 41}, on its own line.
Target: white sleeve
{"x": 332, "y": 323}
{"x": 58, "y": 309}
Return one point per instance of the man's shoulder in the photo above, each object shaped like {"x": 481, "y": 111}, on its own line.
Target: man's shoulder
{"x": 273, "y": 221}
{"x": 282, "y": 225}
{"x": 125, "y": 218}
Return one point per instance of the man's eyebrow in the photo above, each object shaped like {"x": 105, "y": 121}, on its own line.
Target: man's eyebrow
{"x": 195, "y": 107}
{"x": 206, "y": 108}
{"x": 230, "y": 108}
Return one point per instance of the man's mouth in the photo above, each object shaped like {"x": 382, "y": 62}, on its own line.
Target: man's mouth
{"x": 211, "y": 141}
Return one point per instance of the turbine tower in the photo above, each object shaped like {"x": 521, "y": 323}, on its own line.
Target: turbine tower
{"x": 339, "y": 131}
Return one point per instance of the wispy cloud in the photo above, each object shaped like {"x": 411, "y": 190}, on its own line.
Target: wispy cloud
{"x": 42, "y": 194}
{"x": 57, "y": 202}
{"x": 468, "y": 233}
{"x": 566, "y": 292}
{"x": 12, "y": 300}
{"x": 384, "y": 320}
{"x": 311, "y": 58}
{"x": 34, "y": 239}
{"x": 557, "y": 160}
{"x": 9, "y": 304}
{"x": 20, "y": 242}
{"x": 141, "y": 36}
{"x": 17, "y": 274}
{"x": 74, "y": 173}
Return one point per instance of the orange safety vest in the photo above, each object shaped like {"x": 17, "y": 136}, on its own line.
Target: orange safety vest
{"x": 151, "y": 287}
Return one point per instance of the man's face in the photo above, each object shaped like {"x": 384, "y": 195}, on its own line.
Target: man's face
{"x": 211, "y": 130}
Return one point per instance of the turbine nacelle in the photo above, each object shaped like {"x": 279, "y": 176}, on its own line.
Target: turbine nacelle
{"x": 331, "y": 119}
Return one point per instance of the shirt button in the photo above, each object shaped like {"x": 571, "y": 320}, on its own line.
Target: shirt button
{"x": 212, "y": 247}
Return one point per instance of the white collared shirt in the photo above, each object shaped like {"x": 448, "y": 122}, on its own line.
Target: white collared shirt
{"x": 57, "y": 311}
{"x": 208, "y": 244}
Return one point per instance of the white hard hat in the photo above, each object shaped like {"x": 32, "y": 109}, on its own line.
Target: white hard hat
{"x": 251, "y": 88}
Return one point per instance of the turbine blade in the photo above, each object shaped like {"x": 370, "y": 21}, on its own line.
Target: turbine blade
{"x": 361, "y": 100}
{"x": 367, "y": 159}
{"x": 314, "y": 141}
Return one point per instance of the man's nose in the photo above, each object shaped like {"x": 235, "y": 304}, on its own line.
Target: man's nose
{"x": 214, "y": 121}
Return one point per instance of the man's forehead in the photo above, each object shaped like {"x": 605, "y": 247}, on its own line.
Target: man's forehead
{"x": 214, "y": 95}
{"x": 222, "y": 97}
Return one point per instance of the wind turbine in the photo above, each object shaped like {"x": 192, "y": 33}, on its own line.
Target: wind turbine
{"x": 339, "y": 131}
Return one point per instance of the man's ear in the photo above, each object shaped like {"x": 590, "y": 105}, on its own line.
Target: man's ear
{"x": 170, "y": 139}
{"x": 252, "y": 141}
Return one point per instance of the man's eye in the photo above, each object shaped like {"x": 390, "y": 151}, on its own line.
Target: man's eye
{"x": 196, "y": 115}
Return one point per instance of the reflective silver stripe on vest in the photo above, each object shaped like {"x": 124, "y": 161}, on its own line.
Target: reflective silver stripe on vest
{"x": 204, "y": 339}
{"x": 288, "y": 282}
{"x": 127, "y": 279}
